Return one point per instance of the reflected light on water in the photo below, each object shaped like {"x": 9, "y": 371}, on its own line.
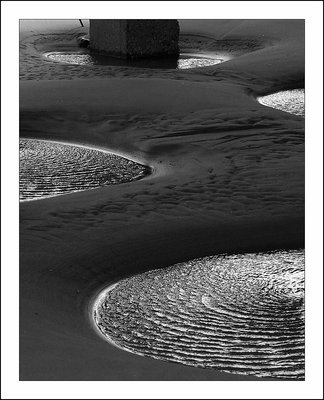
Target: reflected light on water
{"x": 185, "y": 60}
{"x": 291, "y": 101}
{"x": 241, "y": 314}
{"x": 50, "y": 169}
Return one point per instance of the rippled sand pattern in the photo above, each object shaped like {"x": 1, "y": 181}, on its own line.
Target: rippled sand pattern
{"x": 49, "y": 169}
{"x": 184, "y": 62}
{"x": 242, "y": 314}
{"x": 197, "y": 62}
{"x": 72, "y": 58}
{"x": 291, "y": 101}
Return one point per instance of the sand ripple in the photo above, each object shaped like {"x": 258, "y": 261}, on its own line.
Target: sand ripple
{"x": 185, "y": 61}
{"x": 241, "y": 314}
{"x": 291, "y": 101}
{"x": 49, "y": 169}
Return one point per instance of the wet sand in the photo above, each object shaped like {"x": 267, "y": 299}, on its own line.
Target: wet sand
{"x": 228, "y": 176}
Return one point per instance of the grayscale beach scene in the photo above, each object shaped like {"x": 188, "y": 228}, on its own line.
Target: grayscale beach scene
{"x": 161, "y": 199}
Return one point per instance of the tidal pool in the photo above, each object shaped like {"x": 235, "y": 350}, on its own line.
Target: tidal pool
{"x": 241, "y": 314}
{"x": 291, "y": 101}
{"x": 50, "y": 169}
{"x": 185, "y": 60}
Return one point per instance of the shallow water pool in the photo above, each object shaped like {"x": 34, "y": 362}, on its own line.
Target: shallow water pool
{"x": 241, "y": 314}
{"x": 50, "y": 169}
{"x": 185, "y": 61}
{"x": 291, "y": 101}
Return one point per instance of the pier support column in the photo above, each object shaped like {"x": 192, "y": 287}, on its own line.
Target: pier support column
{"x": 134, "y": 38}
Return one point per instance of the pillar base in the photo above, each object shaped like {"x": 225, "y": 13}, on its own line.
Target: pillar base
{"x": 134, "y": 38}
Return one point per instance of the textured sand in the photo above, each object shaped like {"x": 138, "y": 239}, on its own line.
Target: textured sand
{"x": 228, "y": 175}
{"x": 242, "y": 314}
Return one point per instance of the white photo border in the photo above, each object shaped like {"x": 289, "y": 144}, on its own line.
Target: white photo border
{"x": 312, "y": 12}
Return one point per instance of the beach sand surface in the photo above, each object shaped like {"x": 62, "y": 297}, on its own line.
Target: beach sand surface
{"x": 227, "y": 176}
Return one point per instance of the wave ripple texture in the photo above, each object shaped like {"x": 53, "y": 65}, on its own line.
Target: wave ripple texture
{"x": 241, "y": 314}
{"x": 185, "y": 61}
{"x": 291, "y": 101}
{"x": 49, "y": 169}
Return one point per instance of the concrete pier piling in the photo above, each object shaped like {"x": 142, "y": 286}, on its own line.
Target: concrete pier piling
{"x": 134, "y": 38}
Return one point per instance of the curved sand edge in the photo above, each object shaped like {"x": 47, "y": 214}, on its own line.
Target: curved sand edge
{"x": 233, "y": 181}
